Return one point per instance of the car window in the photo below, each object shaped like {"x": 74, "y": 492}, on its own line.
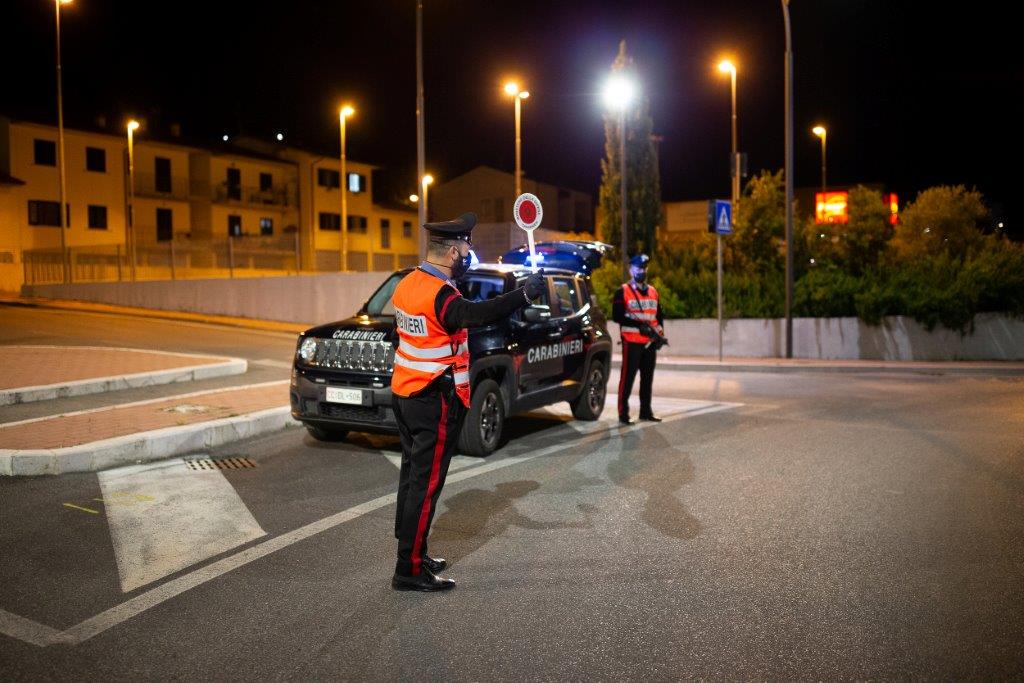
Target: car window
{"x": 479, "y": 288}
{"x": 567, "y": 295}
{"x": 380, "y": 302}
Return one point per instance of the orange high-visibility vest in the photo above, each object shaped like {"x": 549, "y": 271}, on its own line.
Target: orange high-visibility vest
{"x": 425, "y": 348}
{"x": 642, "y": 307}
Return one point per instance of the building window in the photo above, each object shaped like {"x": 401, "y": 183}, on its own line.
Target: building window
{"x": 330, "y": 221}
{"x": 97, "y": 217}
{"x": 266, "y": 182}
{"x": 45, "y": 152}
{"x": 356, "y": 182}
{"x": 385, "y": 233}
{"x": 499, "y": 209}
{"x": 95, "y": 159}
{"x": 234, "y": 226}
{"x": 234, "y": 184}
{"x": 266, "y": 226}
{"x": 407, "y": 229}
{"x": 164, "y": 225}
{"x": 325, "y": 177}
{"x": 46, "y": 213}
{"x": 163, "y": 174}
{"x": 357, "y": 224}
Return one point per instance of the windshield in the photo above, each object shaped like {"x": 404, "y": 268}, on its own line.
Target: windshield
{"x": 380, "y": 303}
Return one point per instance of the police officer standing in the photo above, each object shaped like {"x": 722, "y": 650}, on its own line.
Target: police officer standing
{"x": 635, "y": 308}
{"x": 430, "y": 386}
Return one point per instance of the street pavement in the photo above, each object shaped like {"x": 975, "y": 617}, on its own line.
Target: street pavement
{"x": 806, "y": 525}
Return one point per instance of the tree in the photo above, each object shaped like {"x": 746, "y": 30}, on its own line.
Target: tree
{"x": 760, "y": 224}
{"x": 863, "y": 239}
{"x": 941, "y": 220}
{"x": 643, "y": 183}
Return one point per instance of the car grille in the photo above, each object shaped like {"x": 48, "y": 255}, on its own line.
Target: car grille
{"x": 345, "y": 354}
{"x": 356, "y": 413}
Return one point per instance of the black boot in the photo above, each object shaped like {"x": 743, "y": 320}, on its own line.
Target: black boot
{"x": 649, "y": 417}
{"x": 426, "y": 582}
{"x": 436, "y": 565}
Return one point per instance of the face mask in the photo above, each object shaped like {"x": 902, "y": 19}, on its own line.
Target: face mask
{"x": 461, "y": 266}
{"x": 640, "y": 276}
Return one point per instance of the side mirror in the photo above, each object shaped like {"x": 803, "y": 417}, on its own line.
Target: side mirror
{"x": 537, "y": 314}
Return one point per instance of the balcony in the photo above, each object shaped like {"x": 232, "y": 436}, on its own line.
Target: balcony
{"x": 278, "y": 196}
{"x": 173, "y": 187}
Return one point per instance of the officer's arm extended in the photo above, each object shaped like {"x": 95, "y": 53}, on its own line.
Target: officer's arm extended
{"x": 455, "y": 312}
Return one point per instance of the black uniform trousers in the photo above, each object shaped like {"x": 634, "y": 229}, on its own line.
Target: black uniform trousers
{"x": 428, "y": 424}
{"x": 635, "y": 357}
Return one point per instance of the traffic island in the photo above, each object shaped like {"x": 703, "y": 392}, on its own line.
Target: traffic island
{"x": 41, "y": 373}
{"x": 97, "y": 439}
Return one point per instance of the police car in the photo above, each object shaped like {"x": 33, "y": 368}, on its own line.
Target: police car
{"x": 581, "y": 256}
{"x": 555, "y": 350}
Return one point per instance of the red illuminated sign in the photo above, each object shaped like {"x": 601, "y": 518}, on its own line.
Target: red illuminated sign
{"x": 831, "y": 207}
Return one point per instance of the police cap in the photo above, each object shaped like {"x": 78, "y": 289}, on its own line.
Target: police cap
{"x": 458, "y": 229}
{"x": 639, "y": 261}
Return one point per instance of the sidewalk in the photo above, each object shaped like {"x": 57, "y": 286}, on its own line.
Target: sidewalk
{"x": 96, "y": 439}
{"x": 44, "y": 372}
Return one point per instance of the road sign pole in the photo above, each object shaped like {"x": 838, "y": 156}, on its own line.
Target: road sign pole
{"x": 719, "y": 298}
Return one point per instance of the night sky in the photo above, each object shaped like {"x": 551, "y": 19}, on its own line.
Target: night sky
{"x": 911, "y": 99}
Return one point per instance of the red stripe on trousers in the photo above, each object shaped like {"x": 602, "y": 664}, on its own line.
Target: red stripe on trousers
{"x": 435, "y": 474}
{"x": 622, "y": 371}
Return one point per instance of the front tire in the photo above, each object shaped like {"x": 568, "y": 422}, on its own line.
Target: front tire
{"x": 590, "y": 403}
{"x": 329, "y": 434}
{"x": 485, "y": 421}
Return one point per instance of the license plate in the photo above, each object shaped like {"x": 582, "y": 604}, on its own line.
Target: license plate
{"x": 350, "y": 396}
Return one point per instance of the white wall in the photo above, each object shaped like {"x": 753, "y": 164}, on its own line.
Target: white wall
{"x": 995, "y": 337}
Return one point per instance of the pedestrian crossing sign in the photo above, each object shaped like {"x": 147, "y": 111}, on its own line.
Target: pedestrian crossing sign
{"x": 720, "y": 216}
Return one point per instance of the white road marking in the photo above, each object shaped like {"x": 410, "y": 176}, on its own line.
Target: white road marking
{"x": 164, "y": 592}
{"x": 458, "y": 462}
{"x": 32, "y": 632}
{"x": 165, "y": 517}
{"x": 271, "y": 363}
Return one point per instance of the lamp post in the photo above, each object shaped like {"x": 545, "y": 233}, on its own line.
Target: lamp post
{"x": 789, "y": 180}
{"x": 822, "y": 133}
{"x": 421, "y": 153}
{"x": 728, "y": 67}
{"x": 518, "y": 95}
{"x": 64, "y": 256}
{"x": 618, "y": 94}
{"x": 425, "y": 184}
{"x": 133, "y": 125}
{"x": 343, "y": 115}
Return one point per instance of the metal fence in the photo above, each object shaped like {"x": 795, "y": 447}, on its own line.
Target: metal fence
{"x": 240, "y": 256}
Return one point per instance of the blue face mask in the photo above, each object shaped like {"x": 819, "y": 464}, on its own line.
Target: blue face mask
{"x": 639, "y": 276}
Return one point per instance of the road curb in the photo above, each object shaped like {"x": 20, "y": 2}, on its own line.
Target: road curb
{"x": 844, "y": 367}
{"x": 144, "y": 446}
{"x": 100, "y": 385}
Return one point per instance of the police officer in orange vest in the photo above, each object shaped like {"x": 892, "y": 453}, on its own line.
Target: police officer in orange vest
{"x": 635, "y": 308}
{"x": 430, "y": 386}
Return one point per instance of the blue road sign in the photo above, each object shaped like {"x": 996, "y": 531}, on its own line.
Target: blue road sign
{"x": 720, "y": 216}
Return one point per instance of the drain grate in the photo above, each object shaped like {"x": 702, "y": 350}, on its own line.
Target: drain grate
{"x": 220, "y": 463}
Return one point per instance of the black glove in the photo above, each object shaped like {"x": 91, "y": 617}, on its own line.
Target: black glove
{"x": 648, "y": 330}
{"x": 534, "y": 286}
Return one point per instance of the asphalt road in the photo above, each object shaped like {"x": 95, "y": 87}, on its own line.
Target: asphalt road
{"x": 811, "y": 526}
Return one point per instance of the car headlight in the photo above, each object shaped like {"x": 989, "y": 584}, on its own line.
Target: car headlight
{"x": 307, "y": 349}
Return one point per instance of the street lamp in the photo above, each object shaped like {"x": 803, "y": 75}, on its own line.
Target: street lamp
{"x": 725, "y": 66}
{"x": 343, "y": 115}
{"x": 518, "y": 95}
{"x": 133, "y": 125}
{"x": 618, "y": 93}
{"x": 66, "y": 265}
{"x": 427, "y": 181}
{"x": 822, "y": 133}
{"x": 413, "y": 198}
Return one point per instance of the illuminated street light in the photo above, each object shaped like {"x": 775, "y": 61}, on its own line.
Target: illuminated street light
{"x": 414, "y": 198}
{"x": 518, "y": 95}
{"x": 820, "y": 131}
{"x": 132, "y": 126}
{"x": 343, "y": 115}
{"x": 280, "y": 137}
{"x": 618, "y": 94}
{"x": 725, "y": 66}
{"x": 427, "y": 181}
